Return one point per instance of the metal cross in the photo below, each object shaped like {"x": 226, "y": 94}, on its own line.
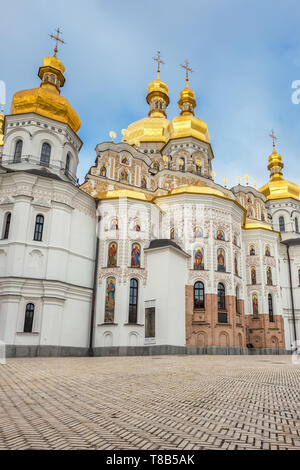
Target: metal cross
{"x": 159, "y": 61}
{"x": 57, "y": 39}
{"x": 273, "y": 137}
{"x": 187, "y": 69}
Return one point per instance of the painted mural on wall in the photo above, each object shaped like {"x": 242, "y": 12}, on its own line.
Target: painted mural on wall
{"x": 143, "y": 183}
{"x": 137, "y": 226}
{"x": 220, "y": 235}
{"x": 252, "y": 250}
{"x": 114, "y": 225}
{"x": 112, "y": 255}
{"x": 198, "y": 232}
{"x": 236, "y": 268}
{"x": 255, "y": 304}
{"x": 199, "y": 259}
{"x": 221, "y": 260}
{"x": 269, "y": 276}
{"x": 173, "y": 234}
{"x": 253, "y": 275}
{"x": 110, "y": 300}
{"x": 136, "y": 255}
{"x": 268, "y": 251}
{"x": 103, "y": 171}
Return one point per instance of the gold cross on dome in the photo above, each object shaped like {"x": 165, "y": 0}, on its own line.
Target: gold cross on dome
{"x": 273, "y": 137}
{"x": 239, "y": 179}
{"x": 188, "y": 69}
{"x": 57, "y": 39}
{"x": 159, "y": 61}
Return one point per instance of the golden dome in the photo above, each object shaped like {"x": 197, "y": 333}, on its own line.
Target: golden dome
{"x": 156, "y": 127}
{"x": 46, "y": 100}
{"x": 187, "y": 124}
{"x": 278, "y": 187}
{"x": 123, "y": 193}
{"x": 196, "y": 189}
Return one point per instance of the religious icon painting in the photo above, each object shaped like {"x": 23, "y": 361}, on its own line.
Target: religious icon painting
{"x": 143, "y": 183}
{"x": 173, "y": 234}
{"x": 255, "y": 304}
{"x": 125, "y": 161}
{"x": 221, "y": 260}
{"x": 110, "y": 300}
{"x": 136, "y": 255}
{"x": 124, "y": 176}
{"x": 137, "y": 226}
{"x": 114, "y": 224}
{"x": 112, "y": 255}
{"x": 236, "y": 269}
{"x": 253, "y": 275}
{"x": 269, "y": 276}
{"x": 252, "y": 250}
{"x": 268, "y": 251}
{"x": 220, "y": 235}
{"x": 103, "y": 171}
{"x": 198, "y": 232}
{"x": 199, "y": 259}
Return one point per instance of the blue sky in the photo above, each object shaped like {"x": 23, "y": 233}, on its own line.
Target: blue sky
{"x": 245, "y": 54}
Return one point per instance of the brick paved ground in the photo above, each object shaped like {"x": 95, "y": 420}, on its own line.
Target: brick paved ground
{"x": 169, "y": 402}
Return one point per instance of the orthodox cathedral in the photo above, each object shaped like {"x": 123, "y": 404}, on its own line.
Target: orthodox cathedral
{"x": 149, "y": 255}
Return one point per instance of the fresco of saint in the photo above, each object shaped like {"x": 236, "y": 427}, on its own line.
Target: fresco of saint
{"x": 136, "y": 255}
{"x": 255, "y": 304}
{"x": 144, "y": 183}
{"x": 112, "y": 255}
{"x": 103, "y": 171}
{"x": 125, "y": 161}
{"x": 198, "y": 232}
{"x": 173, "y": 234}
{"x": 221, "y": 260}
{"x": 114, "y": 224}
{"x": 268, "y": 252}
{"x": 137, "y": 226}
{"x": 198, "y": 259}
{"x": 220, "y": 235}
{"x": 253, "y": 275}
{"x": 124, "y": 176}
{"x": 110, "y": 300}
{"x": 252, "y": 250}
{"x": 269, "y": 276}
{"x": 236, "y": 269}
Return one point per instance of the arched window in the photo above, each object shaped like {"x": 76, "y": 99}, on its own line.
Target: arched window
{"x": 270, "y": 304}
{"x": 296, "y": 225}
{"x": 18, "y": 151}
{"x": 221, "y": 296}
{"x": 133, "y": 301}
{"x": 281, "y": 224}
{"x": 68, "y": 162}
{"x": 199, "y": 298}
{"x": 6, "y": 226}
{"x": 29, "y": 314}
{"x": 45, "y": 154}
{"x": 39, "y": 228}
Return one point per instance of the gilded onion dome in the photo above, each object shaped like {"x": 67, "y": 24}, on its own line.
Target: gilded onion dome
{"x": 156, "y": 127}
{"x": 46, "y": 100}
{"x": 187, "y": 124}
{"x": 278, "y": 187}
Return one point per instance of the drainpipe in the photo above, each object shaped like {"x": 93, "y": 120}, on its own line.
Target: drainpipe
{"x": 93, "y": 307}
{"x": 292, "y": 296}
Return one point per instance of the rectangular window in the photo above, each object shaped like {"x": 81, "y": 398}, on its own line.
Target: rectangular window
{"x": 222, "y": 317}
{"x": 150, "y": 322}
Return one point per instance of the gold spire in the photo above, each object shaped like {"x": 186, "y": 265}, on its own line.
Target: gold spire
{"x": 278, "y": 187}
{"x": 158, "y": 94}
{"x": 57, "y": 39}
{"x": 2, "y": 118}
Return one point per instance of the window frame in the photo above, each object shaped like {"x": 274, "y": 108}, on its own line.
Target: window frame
{"x": 133, "y": 301}
{"x": 29, "y": 318}
{"x": 199, "y": 295}
{"x": 281, "y": 224}
{"x": 39, "y": 228}
{"x": 45, "y": 158}
{"x": 221, "y": 296}
{"x": 6, "y": 225}
{"x": 17, "y": 152}
{"x": 270, "y": 308}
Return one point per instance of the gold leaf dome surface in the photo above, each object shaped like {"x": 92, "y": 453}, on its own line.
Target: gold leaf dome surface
{"x": 46, "y": 100}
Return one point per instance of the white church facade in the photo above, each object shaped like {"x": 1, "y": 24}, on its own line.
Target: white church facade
{"x": 149, "y": 255}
